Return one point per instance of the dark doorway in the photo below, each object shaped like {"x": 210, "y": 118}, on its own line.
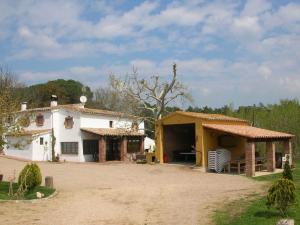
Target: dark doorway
{"x": 90, "y": 147}
{"x": 179, "y": 143}
{"x": 112, "y": 149}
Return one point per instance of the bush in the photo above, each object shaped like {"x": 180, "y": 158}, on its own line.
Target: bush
{"x": 287, "y": 172}
{"x": 30, "y": 177}
{"x": 281, "y": 195}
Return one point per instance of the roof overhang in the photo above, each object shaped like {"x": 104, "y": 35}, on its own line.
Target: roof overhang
{"x": 121, "y": 132}
{"x": 249, "y": 132}
{"x": 28, "y": 133}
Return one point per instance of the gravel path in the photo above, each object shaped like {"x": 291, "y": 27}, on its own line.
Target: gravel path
{"x": 121, "y": 193}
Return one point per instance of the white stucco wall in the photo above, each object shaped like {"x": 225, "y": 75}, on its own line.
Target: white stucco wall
{"x": 24, "y": 151}
{"x": 35, "y": 151}
{"x": 30, "y": 149}
{"x": 68, "y": 135}
{"x": 47, "y": 121}
{"x": 41, "y": 152}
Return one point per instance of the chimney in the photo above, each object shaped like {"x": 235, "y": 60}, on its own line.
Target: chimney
{"x": 83, "y": 100}
{"x": 24, "y": 106}
{"x": 53, "y": 102}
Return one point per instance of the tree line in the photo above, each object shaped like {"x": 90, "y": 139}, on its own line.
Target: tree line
{"x": 149, "y": 99}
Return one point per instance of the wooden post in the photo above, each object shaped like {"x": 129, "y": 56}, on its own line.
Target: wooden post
{"x": 102, "y": 149}
{"x": 142, "y": 145}
{"x": 250, "y": 159}
{"x": 270, "y": 150}
{"x": 123, "y": 150}
{"x": 49, "y": 182}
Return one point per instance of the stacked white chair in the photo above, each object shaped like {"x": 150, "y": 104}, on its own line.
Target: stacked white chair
{"x": 218, "y": 159}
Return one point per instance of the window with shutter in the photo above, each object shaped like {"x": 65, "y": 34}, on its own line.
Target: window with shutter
{"x": 39, "y": 120}
{"x": 69, "y": 122}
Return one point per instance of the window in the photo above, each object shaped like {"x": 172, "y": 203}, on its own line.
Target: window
{"x": 39, "y": 120}
{"x": 90, "y": 147}
{"x": 111, "y": 124}
{"x": 133, "y": 145}
{"x": 69, "y": 148}
{"x": 9, "y": 120}
{"x": 69, "y": 122}
{"x": 41, "y": 140}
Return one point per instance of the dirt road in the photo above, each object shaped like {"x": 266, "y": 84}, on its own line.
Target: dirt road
{"x": 120, "y": 193}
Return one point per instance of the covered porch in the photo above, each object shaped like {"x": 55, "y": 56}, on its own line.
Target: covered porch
{"x": 117, "y": 144}
{"x": 242, "y": 140}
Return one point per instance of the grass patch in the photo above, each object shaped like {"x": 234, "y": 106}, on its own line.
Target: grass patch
{"x": 254, "y": 210}
{"x": 29, "y": 195}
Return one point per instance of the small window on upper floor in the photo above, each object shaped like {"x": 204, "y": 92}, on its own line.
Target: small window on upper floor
{"x": 9, "y": 120}
{"x": 69, "y": 122}
{"x": 111, "y": 124}
{"x": 39, "y": 120}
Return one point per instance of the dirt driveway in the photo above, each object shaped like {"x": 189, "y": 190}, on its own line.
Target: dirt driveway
{"x": 120, "y": 193}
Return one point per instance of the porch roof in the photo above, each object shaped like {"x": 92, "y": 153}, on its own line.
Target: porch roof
{"x": 112, "y": 131}
{"x": 249, "y": 131}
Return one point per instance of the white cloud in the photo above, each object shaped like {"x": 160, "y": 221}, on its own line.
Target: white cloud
{"x": 264, "y": 71}
{"x": 256, "y": 7}
{"x": 220, "y": 46}
{"x": 247, "y": 27}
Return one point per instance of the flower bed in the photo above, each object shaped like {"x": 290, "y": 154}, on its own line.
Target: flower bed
{"x": 4, "y": 187}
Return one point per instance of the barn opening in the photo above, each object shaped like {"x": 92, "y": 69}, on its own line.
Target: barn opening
{"x": 179, "y": 143}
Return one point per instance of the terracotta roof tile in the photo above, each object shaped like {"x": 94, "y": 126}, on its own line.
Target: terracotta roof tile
{"x": 112, "y": 131}
{"x": 248, "y": 131}
{"x": 29, "y": 132}
{"x": 208, "y": 116}
{"x": 78, "y": 108}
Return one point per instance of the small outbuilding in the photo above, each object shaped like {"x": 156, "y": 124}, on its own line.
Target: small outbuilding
{"x": 188, "y": 137}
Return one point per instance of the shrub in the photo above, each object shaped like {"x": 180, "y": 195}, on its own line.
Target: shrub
{"x": 30, "y": 176}
{"x": 287, "y": 172}
{"x": 281, "y": 195}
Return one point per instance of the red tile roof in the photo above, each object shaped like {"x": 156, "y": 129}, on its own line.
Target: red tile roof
{"x": 29, "y": 132}
{"x": 79, "y": 108}
{"x": 208, "y": 116}
{"x": 248, "y": 131}
{"x": 112, "y": 131}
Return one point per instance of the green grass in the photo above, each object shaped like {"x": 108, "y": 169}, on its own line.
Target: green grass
{"x": 29, "y": 195}
{"x": 253, "y": 210}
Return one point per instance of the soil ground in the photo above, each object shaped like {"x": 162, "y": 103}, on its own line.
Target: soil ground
{"x": 125, "y": 194}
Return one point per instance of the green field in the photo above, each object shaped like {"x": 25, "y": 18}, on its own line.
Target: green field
{"x": 29, "y": 195}
{"x": 253, "y": 210}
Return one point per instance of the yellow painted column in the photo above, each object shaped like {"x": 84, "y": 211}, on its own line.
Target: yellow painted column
{"x": 199, "y": 148}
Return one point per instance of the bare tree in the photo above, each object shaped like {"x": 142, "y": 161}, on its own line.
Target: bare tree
{"x": 9, "y": 101}
{"x": 153, "y": 95}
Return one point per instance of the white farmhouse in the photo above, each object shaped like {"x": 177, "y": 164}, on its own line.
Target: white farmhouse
{"x": 80, "y": 134}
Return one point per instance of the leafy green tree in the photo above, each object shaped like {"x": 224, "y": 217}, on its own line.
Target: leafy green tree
{"x": 30, "y": 177}
{"x": 68, "y": 92}
{"x": 287, "y": 172}
{"x": 281, "y": 195}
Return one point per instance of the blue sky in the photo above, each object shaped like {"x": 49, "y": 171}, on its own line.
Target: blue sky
{"x": 227, "y": 51}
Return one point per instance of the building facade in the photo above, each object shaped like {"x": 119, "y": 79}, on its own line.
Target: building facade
{"x": 188, "y": 137}
{"x": 75, "y": 133}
